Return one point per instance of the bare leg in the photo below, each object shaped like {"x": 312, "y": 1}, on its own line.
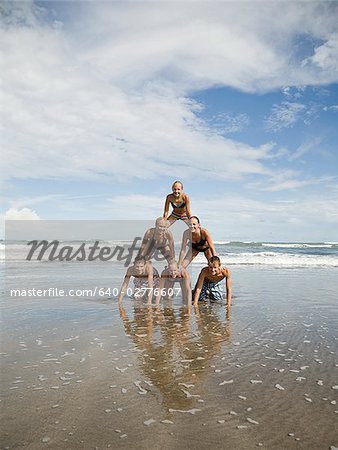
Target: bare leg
{"x": 171, "y": 219}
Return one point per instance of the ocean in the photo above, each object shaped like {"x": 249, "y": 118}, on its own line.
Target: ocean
{"x": 232, "y": 253}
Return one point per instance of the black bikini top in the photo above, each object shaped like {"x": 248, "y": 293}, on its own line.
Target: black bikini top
{"x": 199, "y": 245}
{"x": 182, "y": 205}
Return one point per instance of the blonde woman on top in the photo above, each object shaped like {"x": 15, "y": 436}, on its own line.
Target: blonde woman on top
{"x": 180, "y": 203}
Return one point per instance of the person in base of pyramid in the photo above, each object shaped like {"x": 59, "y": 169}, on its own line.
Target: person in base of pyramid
{"x": 146, "y": 280}
{"x": 169, "y": 277}
{"x": 210, "y": 280}
{"x": 198, "y": 240}
{"x": 180, "y": 203}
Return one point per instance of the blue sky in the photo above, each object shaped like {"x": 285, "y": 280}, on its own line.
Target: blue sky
{"x": 106, "y": 104}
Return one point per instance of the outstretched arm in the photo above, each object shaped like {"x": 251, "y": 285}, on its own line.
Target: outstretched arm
{"x": 187, "y": 286}
{"x": 166, "y": 207}
{"x": 199, "y": 286}
{"x": 143, "y": 248}
{"x": 210, "y": 242}
{"x": 171, "y": 244}
{"x": 183, "y": 246}
{"x": 159, "y": 290}
{"x": 150, "y": 283}
{"x": 187, "y": 206}
{"x": 228, "y": 285}
{"x": 124, "y": 286}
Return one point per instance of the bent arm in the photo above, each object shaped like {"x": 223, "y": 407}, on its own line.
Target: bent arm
{"x": 187, "y": 206}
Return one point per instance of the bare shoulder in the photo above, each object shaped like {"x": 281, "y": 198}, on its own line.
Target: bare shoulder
{"x": 205, "y": 232}
{"x": 168, "y": 233}
{"x": 149, "y": 233}
{"x": 204, "y": 271}
{"x": 226, "y": 271}
{"x": 186, "y": 233}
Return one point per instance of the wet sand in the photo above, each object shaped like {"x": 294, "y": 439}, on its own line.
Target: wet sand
{"x": 86, "y": 373}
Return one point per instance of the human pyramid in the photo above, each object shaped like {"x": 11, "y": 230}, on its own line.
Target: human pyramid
{"x": 148, "y": 284}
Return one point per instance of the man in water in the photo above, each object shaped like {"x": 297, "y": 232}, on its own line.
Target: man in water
{"x": 209, "y": 283}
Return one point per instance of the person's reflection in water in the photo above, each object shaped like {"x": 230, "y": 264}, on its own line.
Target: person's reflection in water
{"x": 176, "y": 350}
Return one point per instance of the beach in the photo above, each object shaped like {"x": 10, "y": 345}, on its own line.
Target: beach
{"x": 185, "y": 150}
{"x": 89, "y": 373}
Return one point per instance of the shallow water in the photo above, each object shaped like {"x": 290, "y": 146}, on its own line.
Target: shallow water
{"x": 86, "y": 373}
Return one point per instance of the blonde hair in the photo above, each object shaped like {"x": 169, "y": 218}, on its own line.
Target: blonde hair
{"x": 160, "y": 219}
{"x": 172, "y": 262}
{"x": 175, "y": 182}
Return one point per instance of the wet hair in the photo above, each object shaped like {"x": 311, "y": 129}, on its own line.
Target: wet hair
{"x": 214, "y": 259}
{"x": 160, "y": 219}
{"x": 175, "y": 182}
{"x": 195, "y": 217}
{"x": 140, "y": 259}
{"x": 172, "y": 262}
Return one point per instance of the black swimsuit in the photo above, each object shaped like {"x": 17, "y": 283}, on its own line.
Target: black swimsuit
{"x": 182, "y": 205}
{"x": 200, "y": 246}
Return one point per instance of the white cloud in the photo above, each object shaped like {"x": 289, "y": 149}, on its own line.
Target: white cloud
{"x": 226, "y": 123}
{"x": 305, "y": 148}
{"x": 293, "y": 92}
{"x": 21, "y": 214}
{"x": 284, "y": 115}
{"x": 333, "y": 108}
{"x": 288, "y": 180}
{"x": 203, "y": 44}
{"x": 326, "y": 55}
{"x": 106, "y": 93}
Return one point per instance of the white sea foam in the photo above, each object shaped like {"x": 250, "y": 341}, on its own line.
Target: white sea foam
{"x": 274, "y": 259}
{"x": 296, "y": 245}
